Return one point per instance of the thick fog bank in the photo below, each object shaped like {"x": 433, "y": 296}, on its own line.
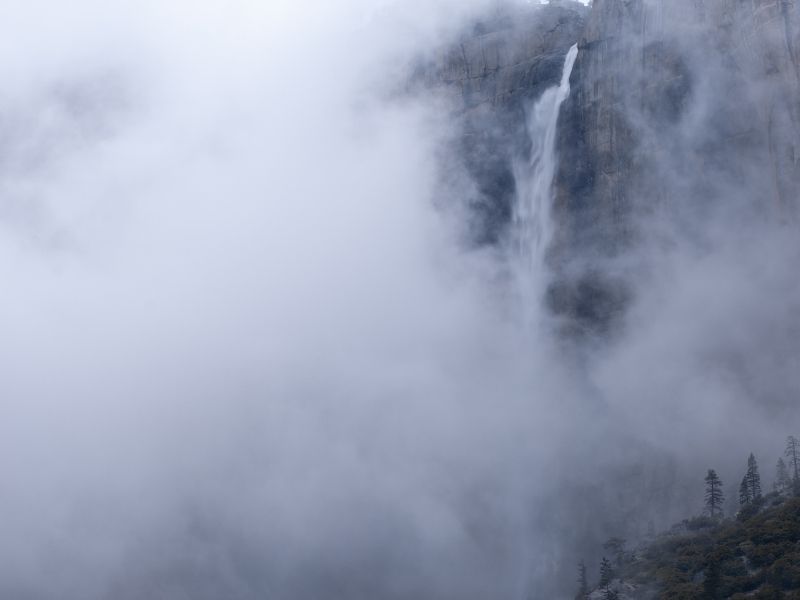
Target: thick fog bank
{"x": 241, "y": 357}
{"x": 245, "y": 353}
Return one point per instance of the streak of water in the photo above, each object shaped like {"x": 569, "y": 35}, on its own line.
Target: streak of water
{"x": 532, "y": 227}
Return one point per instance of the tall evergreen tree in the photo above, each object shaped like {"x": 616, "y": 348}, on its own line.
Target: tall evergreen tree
{"x": 753, "y": 478}
{"x": 714, "y": 495}
{"x": 744, "y": 492}
{"x": 583, "y": 582}
{"x": 606, "y": 573}
{"x": 783, "y": 483}
{"x": 793, "y": 454}
{"x": 606, "y": 577}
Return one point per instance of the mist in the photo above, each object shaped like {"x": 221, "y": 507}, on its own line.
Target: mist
{"x": 246, "y": 352}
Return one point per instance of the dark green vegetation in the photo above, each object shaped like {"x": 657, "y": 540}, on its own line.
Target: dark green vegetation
{"x": 756, "y": 555}
{"x": 752, "y": 554}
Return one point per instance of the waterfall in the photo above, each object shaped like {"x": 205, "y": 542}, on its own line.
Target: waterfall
{"x": 532, "y": 226}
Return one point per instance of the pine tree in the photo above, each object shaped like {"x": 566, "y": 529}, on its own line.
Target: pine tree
{"x": 744, "y": 492}
{"x": 752, "y": 478}
{"x": 793, "y": 454}
{"x": 714, "y": 495}
{"x": 783, "y": 483}
{"x": 606, "y": 573}
{"x": 583, "y": 583}
{"x": 606, "y": 577}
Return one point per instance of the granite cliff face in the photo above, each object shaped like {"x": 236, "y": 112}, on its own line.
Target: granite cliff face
{"x": 493, "y": 74}
{"x": 684, "y": 109}
{"x": 683, "y": 120}
{"x": 715, "y": 79}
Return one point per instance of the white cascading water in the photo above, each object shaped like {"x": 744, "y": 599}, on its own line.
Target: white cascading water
{"x": 532, "y": 226}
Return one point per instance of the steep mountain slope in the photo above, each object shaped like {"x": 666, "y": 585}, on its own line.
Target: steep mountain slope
{"x": 753, "y": 556}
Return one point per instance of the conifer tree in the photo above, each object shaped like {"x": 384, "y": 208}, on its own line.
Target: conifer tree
{"x": 753, "y": 478}
{"x": 783, "y": 483}
{"x": 714, "y": 495}
{"x": 793, "y": 454}
{"x": 583, "y": 582}
{"x": 606, "y": 573}
{"x": 606, "y": 577}
{"x": 744, "y": 492}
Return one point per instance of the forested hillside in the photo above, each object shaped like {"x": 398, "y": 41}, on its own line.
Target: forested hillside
{"x": 753, "y": 553}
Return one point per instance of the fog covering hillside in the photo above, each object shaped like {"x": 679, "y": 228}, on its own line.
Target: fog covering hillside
{"x": 385, "y": 298}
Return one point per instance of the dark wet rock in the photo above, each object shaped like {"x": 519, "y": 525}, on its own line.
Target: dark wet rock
{"x": 493, "y": 74}
{"x": 681, "y": 111}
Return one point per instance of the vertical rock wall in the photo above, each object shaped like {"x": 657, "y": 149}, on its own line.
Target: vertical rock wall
{"x": 492, "y": 75}
{"x": 680, "y": 109}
